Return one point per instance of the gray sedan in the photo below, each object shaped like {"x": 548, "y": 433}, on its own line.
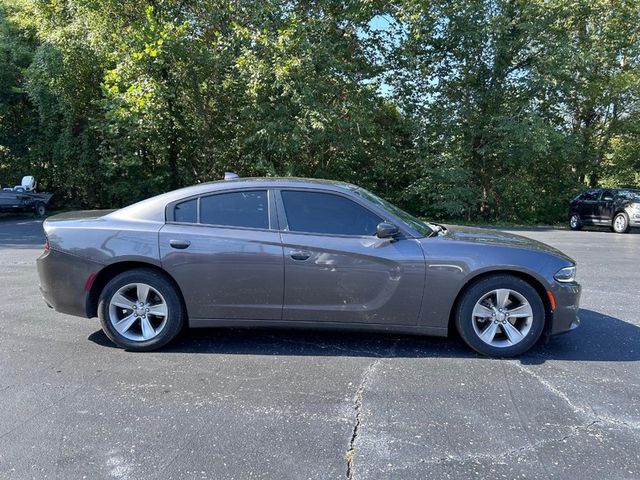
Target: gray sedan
{"x": 287, "y": 252}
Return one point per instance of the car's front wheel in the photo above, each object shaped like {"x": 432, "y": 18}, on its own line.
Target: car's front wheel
{"x": 620, "y": 223}
{"x": 500, "y": 316}
{"x": 141, "y": 310}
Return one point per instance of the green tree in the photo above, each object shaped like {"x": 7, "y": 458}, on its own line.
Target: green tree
{"x": 474, "y": 109}
{"x": 17, "y": 117}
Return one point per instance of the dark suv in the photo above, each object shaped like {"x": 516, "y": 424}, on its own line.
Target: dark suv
{"x": 618, "y": 208}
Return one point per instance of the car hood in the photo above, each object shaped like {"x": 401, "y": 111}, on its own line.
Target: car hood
{"x": 488, "y": 236}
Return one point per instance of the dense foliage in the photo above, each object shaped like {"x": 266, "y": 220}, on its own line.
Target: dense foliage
{"x": 476, "y": 109}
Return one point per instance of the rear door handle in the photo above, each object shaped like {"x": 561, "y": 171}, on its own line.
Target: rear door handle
{"x": 179, "y": 244}
{"x": 300, "y": 255}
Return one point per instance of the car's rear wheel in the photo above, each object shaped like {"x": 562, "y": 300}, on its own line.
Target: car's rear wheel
{"x": 500, "y": 316}
{"x": 620, "y": 223}
{"x": 141, "y": 310}
{"x": 574, "y": 222}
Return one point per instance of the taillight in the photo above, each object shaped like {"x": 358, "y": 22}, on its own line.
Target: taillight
{"x": 46, "y": 245}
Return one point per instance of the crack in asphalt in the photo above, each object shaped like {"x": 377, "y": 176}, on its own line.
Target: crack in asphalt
{"x": 520, "y": 418}
{"x": 594, "y": 419}
{"x": 532, "y": 447}
{"x": 358, "y": 400}
{"x": 357, "y": 406}
{"x": 587, "y": 412}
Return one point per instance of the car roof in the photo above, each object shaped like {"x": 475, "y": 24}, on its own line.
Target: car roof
{"x": 270, "y": 182}
{"x": 260, "y": 182}
{"x": 153, "y": 209}
{"x": 612, "y": 189}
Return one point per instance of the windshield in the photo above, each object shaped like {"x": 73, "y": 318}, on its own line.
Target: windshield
{"x": 630, "y": 194}
{"x": 418, "y": 225}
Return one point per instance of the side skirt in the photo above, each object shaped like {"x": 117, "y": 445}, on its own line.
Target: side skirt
{"x": 336, "y": 326}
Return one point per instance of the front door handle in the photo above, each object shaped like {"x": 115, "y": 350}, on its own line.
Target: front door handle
{"x": 300, "y": 255}
{"x": 179, "y": 244}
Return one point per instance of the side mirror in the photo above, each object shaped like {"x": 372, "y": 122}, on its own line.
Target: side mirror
{"x": 386, "y": 230}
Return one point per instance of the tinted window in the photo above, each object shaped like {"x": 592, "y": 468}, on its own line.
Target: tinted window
{"x": 314, "y": 212}
{"x": 186, "y": 212}
{"x": 422, "y": 227}
{"x": 630, "y": 194}
{"x": 236, "y": 209}
{"x": 607, "y": 195}
{"x": 591, "y": 195}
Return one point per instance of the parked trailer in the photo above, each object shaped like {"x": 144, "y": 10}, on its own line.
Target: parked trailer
{"x": 24, "y": 198}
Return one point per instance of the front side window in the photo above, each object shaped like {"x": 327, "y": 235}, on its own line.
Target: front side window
{"x": 418, "y": 225}
{"x": 236, "y": 209}
{"x": 630, "y": 195}
{"x": 326, "y": 213}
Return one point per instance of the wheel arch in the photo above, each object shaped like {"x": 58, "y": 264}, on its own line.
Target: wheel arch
{"x": 530, "y": 279}
{"x": 105, "y": 275}
{"x": 625, "y": 214}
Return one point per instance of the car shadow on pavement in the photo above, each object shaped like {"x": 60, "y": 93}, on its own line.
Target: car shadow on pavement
{"x": 600, "y": 338}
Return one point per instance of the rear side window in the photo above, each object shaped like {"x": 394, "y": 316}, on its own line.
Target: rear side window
{"x": 314, "y": 212}
{"x": 607, "y": 195}
{"x": 186, "y": 212}
{"x": 236, "y": 209}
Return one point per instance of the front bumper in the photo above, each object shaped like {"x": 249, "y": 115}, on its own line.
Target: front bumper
{"x": 63, "y": 278}
{"x": 565, "y": 316}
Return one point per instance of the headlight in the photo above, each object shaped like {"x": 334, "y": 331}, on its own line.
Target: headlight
{"x": 566, "y": 274}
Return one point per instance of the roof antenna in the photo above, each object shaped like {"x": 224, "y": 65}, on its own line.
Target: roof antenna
{"x": 231, "y": 175}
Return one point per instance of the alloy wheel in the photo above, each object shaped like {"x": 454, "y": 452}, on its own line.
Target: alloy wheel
{"x": 502, "y": 318}
{"x": 574, "y": 221}
{"x": 620, "y": 223}
{"x": 138, "y": 312}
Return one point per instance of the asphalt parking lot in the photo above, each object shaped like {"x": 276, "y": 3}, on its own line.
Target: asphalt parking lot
{"x": 275, "y": 404}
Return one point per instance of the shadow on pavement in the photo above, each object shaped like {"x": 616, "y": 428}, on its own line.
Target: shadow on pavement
{"x": 600, "y": 338}
{"x": 21, "y": 231}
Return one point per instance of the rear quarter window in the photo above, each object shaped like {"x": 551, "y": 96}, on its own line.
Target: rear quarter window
{"x": 186, "y": 212}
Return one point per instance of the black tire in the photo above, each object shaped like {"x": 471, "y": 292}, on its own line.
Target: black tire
{"x": 465, "y": 321}
{"x": 175, "y": 318}
{"x": 620, "y": 223}
{"x": 40, "y": 210}
{"x": 574, "y": 222}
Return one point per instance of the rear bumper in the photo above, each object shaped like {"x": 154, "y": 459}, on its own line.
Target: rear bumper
{"x": 63, "y": 281}
{"x": 565, "y": 317}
